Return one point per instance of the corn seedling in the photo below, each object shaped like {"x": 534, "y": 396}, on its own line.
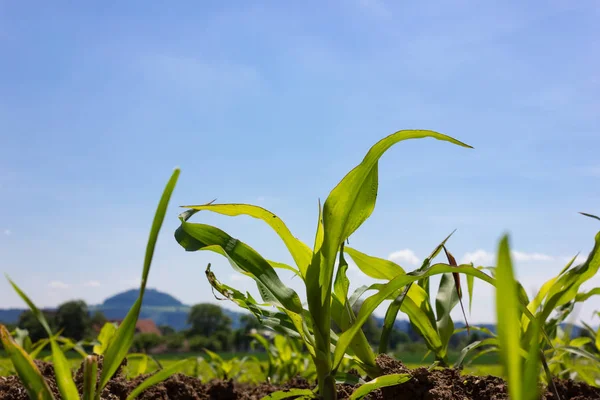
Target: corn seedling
{"x": 115, "y": 348}
{"x": 414, "y": 300}
{"x": 348, "y": 205}
{"x": 285, "y": 359}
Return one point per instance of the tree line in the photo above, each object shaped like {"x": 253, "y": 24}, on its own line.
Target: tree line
{"x": 209, "y": 327}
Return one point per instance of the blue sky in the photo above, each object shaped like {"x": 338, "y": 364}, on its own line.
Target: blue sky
{"x": 272, "y": 103}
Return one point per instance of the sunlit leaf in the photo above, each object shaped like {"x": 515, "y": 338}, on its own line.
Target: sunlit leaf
{"x": 378, "y": 383}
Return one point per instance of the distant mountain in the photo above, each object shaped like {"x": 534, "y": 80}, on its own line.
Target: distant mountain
{"x": 158, "y": 306}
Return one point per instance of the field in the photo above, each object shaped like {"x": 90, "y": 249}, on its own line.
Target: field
{"x": 322, "y": 349}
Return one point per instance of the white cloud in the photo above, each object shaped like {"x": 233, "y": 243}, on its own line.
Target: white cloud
{"x": 524, "y": 257}
{"x": 92, "y": 284}
{"x": 478, "y": 257}
{"x": 7, "y": 232}
{"x": 58, "y": 285}
{"x": 406, "y": 256}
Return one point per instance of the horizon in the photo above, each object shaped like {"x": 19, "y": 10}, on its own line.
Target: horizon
{"x": 102, "y": 103}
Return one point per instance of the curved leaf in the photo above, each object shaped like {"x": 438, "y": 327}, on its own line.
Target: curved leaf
{"x": 378, "y": 383}
{"x": 62, "y": 370}
{"x": 195, "y": 237}
{"x": 30, "y": 375}
{"x": 286, "y": 394}
{"x": 385, "y": 291}
{"x": 375, "y": 267}
{"x": 467, "y": 349}
{"x": 300, "y": 252}
{"x": 158, "y": 377}
{"x": 123, "y": 338}
{"x": 509, "y": 330}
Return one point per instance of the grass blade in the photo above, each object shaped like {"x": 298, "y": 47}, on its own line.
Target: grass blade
{"x": 90, "y": 370}
{"x": 123, "y": 337}
{"x": 36, "y": 311}
{"x": 158, "y": 377}
{"x": 590, "y": 215}
{"x": 378, "y": 383}
{"x": 62, "y": 370}
{"x": 509, "y": 329}
{"x": 304, "y": 393}
{"x": 30, "y": 375}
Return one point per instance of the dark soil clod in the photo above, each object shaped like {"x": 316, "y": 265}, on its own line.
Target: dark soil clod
{"x": 437, "y": 384}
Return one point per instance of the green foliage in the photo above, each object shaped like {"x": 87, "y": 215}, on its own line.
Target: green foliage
{"x": 144, "y": 342}
{"x": 116, "y": 349}
{"x": 207, "y": 319}
{"x": 286, "y": 360}
{"x": 30, "y": 322}
{"x": 174, "y": 341}
{"x": 199, "y": 343}
{"x": 348, "y": 205}
{"x": 73, "y": 319}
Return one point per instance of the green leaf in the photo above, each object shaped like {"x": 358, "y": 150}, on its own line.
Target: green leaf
{"x": 104, "y": 337}
{"x": 286, "y": 394}
{"x": 424, "y": 307}
{"x": 470, "y": 283}
{"x": 36, "y": 312}
{"x": 445, "y": 301}
{"x": 507, "y": 310}
{"x": 158, "y": 377}
{"x": 378, "y": 383}
{"x": 467, "y": 349}
{"x": 590, "y": 215}
{"x": 533, "y": 365}
{"x": 374, "y": 267}
{"x": 384, "y": 293}
{"x": 62, "y": 370}
{"x": 352, "y": 201}
{"x": 123, "y": 338}
{"x": 30, "y": 375}
{"x": 195, "y": 237}
{"x": 90, "y": 369}
{"x": 300, "y": 252}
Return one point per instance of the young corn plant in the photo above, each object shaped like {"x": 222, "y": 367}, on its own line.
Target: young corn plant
{"x": 348, "y": 205}
{"x": 414, "y": 299}
{"x": 114, "y": 347}
{"x": 285, "y": 359}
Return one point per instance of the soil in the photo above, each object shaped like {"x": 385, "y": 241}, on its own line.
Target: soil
{"x": 438, "y": 384}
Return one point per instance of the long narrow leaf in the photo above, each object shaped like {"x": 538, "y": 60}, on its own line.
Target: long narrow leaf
{"x": 385, "y": 291}
{"x": 378, "y": 383}
{"x": 158, "y": 377}
{"x": 62, "y": 370}
{"x": 123, "y": 337}
{"x": 36, "y": 311}
{"x": 30, "y": 375}
{"x": 90, "y": 368}
{"x": 300, "y": 252}
{"x": 507, "y": 309}
{"x": 303, "y": 393}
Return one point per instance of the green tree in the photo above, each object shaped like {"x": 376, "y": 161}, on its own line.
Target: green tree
{"x": 73, "y": 318}
{"x": 206, "y": 319}
{"x": 199, "y": 343}
{"x": 144, "y": 342}
{"x": 36, "y": 332}
{"x": 174, "y": 341}
{"x": 98, "y": 319}
{"x": 166, "y": 330}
